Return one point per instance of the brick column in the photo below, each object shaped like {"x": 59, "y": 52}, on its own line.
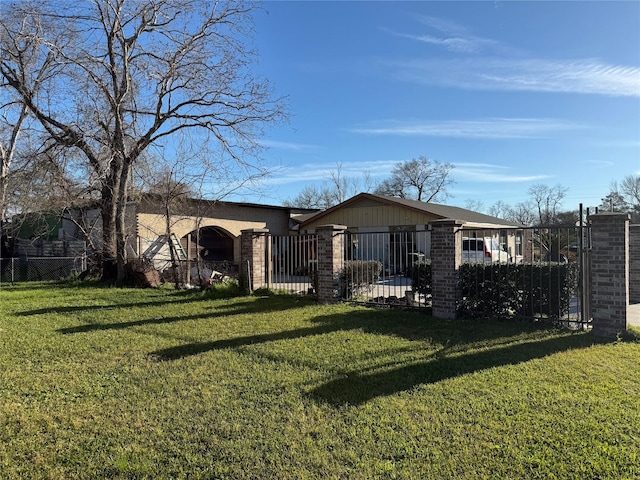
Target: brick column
{"x": 446, "y": 258}
{"x": 609, "y": 273}
{"x": 634, "y": 263}
{"x": 330, "y": 261}
{"x": 253, "y": 255}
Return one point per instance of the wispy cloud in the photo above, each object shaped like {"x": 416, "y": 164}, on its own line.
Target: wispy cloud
{"x": 483, "y": 172}
{"x": 454, "y": 44}
{"x": 315, "y": 172}
{"x": 601, "y": 163}
{"x": 275, "y": 144}
{"x": 449, "y": 35}
{"x": 504, "y": 68}
{"x": 491, "y": 128}
{"x": 579, "y": 76}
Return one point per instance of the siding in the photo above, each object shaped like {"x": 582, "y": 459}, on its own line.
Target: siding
{"x": 355, "y": 216}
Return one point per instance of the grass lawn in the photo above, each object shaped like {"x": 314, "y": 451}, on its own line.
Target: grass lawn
{"x": 132, "y": 383}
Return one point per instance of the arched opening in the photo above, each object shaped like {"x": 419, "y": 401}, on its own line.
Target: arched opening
{"x": 210, "y": 244}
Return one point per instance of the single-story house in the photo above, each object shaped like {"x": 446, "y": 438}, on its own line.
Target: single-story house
{"x": 396, "y": 230}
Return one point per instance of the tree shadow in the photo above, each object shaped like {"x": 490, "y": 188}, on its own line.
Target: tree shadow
{"x": 259, "y": 305}
{"x": 408, "y": 324}
{"x": 196, "y": 348}
{"x": 358, "y": 387}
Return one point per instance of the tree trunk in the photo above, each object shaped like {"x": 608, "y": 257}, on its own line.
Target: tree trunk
{"x": 121, "y": 222}
{"x": 109, "y": 248}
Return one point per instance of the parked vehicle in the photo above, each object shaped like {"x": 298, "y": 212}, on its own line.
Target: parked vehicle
{"x": 482, "y": 250}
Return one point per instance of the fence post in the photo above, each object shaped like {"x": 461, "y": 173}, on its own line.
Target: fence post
{"x": 609, "y": 272}
{"x": 446, "y": 258}
{"x": 330, "y": 261}
{"x": 253, "y": 256}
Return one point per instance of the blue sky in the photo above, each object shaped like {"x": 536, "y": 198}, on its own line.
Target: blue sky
{"x": 511, "y": 93}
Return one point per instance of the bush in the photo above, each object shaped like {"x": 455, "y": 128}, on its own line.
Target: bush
{"x": 421, "y": 277}
{"x": 527, "y": 290}
{"x": 358, "y": 275}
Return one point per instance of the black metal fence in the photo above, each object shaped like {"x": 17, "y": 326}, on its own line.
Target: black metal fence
{"x": 292, "y": 263}
{"x": 540, "y": 273}
{"x": 380, "y": 267}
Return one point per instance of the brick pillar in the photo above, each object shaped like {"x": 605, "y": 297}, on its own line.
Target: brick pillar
{"x": 609, "y": 273}
{"x": 634, "y": 263}
{"x": 330, "y": 261}
{"x": 253, "y": 255}
{"x": 446, "y": 258}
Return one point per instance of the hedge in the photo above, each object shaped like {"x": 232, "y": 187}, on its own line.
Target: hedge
{"x": 525, "y": 289}
{"x": 421, "y": 277}
{"x": 358, "y": 275}
{"x": 493, "y": 289}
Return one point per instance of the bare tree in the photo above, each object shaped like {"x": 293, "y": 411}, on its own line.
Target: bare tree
{"x": 475, "y": 205}
{"x": 500, "y": 209}
{"x": 10, "y": 130}
{"x": 547, "y": 201}
{"x": 624, "y": 197}
{"x": 522, "y": 213}
{"x": 123, "y": 75}
{"x": 420, "y": 179}
{"x": 630, "y": 188}
{"x": 335, "y": 189}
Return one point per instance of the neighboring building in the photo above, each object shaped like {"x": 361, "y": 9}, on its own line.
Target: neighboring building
{"x": 208, "y": 230}
{"x": 403, "y": 226}
{"x": 202, "y": 229}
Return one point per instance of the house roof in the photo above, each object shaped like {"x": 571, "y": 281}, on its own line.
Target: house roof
{"x": 441, "y": 211}
{"x": 152, "y": 198}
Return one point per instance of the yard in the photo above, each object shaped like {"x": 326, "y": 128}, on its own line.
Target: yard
{"x": 124, "y": 383}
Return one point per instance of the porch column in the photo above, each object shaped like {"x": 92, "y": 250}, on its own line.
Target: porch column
{"x": 446, "y": 258}
{"x": 634, "y": 264}
{"x": 609, "y": 273}
{"x": 633, "y": 312}
{"x": 330, "y": 261}
{"x": 253, "y": 255}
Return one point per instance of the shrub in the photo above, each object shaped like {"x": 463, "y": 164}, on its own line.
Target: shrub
{"x": 358, "y": 275}
{"x": 313, "y": 277}
{"x": 421, "y": 277}
{"x": 525, "y": 289}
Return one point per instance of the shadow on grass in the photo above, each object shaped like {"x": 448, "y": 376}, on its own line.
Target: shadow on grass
{"x": 165, "y": 297}
{"x": 189, "y": 349}
{"x": 412, "y": 326}
{"x": 357, "y": 387}
{"x": 259, "y": 305}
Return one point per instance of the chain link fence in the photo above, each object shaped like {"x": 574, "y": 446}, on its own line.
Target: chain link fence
{"x": 29, "y": 269}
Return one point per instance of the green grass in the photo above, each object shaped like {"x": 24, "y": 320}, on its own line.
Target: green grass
{"x": 126, "y": 383}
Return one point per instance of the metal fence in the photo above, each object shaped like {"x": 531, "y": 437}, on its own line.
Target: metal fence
{"x": 292, "y": 263}
{"x": 537, "y": 272}
{"x": 540, "y": 273}
{"x": 25, "y": 269}
{"x": 380, "y": 267}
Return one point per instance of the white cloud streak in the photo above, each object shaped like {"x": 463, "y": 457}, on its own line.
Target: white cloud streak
{"x": 484, "y": 173}
{"x": 506, "y": 69}
{"x": 580, "y": 76}
{"x": 491, "y": 128}
{"x": 313, "y": 172}
{"x": 278, "y": 145}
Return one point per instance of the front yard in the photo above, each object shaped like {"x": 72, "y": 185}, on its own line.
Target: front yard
{"x": 124, "y": 383}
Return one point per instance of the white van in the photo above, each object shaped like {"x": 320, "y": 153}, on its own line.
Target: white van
{"x": 482, "y": 250}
